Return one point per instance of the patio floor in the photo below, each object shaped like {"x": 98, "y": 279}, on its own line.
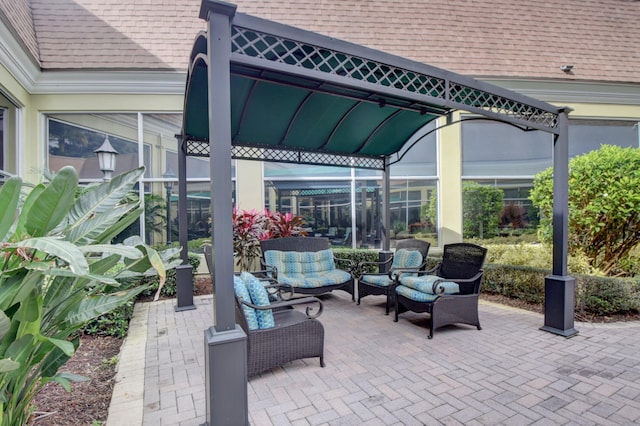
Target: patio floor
{"x": 383, "y": 373}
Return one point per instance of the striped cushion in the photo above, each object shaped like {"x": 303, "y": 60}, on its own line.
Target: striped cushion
{"x": 259, "y": 297}
{"x": 306, "y": 269}
{"x": 404, "y": 258}
{"x": 425, "y": 284}
{"x": 242, "y": 293}
{"x": 416, "y": 295}
{"x": 295, "y": 263}
{"x": 320, "y": 279}
{"x": 381, "y": 280}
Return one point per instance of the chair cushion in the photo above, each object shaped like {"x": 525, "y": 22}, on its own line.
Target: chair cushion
{"x": 315, "y": 280}
{"x": 381, "y": 280}
{"x": 404, "y": 258}
{"x": 424, "y": 284}
{"x": 300, "y": 263}
{"x": 416, "y": 295}
{"x": 259, "y": 297}
{"x": 241, "y": 291}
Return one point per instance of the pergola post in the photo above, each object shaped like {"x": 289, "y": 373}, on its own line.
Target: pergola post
{"x": 559, "y": 288}
{"x": 184, "y": 272}
{"x": 225, "y": 342}
{"x": 386, "y": 208}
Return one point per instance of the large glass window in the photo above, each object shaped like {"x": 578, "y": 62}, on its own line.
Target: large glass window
{"x": 147, "y": 139}
{"x": 73, "y": 139}
{"x": 491, "y": 149}
{"x": 8, "y": 138}
{"x": 587, "y": 135}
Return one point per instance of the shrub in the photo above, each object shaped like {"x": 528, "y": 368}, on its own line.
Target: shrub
{"x": 354, "y": 257}
{"x": 603, "y": 205}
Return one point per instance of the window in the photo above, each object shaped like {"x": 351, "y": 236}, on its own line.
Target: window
{"x": 588, "y": 135}
{"x": 491, "y": 149}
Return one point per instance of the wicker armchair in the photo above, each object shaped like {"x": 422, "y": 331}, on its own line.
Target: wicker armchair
{"x": 316, "y": 268}
{"x": 380, "y": 283}
{"x": 449, "y": 292}
{"x": 293, "y": 334}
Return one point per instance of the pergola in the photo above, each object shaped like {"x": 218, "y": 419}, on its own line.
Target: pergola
{"x": 260, "y": 90}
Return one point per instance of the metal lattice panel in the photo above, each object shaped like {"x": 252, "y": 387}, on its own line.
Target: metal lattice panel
{"x": 198, "y": 148}
{"x": 500, "y": 105}
{"x": 305, "y": 157}
{"x": 278, "y": 49}
{"x": 305, "y": 55}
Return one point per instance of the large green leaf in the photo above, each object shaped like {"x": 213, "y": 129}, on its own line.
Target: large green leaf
{"x": 52, "y": 205}
{"x": 123, "y": 223}
{"x": 26, "y": 207}
{"x": 5, "y": 324}
{"x": 60, "y": 249}
{"x": 7, "y": 365}
{"x": 9, "y": 196}
{"x": 122, "y": 250}
{"x": 56, "y": 358}
{"x": 102, "y": 198}
{"x": 91, "y": 230}
{"x": 94, "y": 306}
{"x": 105, "y": 264}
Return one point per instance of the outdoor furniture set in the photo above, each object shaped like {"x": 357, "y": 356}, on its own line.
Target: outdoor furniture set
{"x": 278, "y": 333}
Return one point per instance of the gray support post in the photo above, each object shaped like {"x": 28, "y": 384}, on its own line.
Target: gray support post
{"x": 184, "y": 272}
{"x": 386, "y": 209}
{"x": 225, "y": 342}
{"x": 559, "y": 288}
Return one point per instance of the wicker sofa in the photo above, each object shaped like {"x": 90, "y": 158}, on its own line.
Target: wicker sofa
{"x": 305, "y": 263}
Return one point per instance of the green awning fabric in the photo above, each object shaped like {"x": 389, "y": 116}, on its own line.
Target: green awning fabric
{"x": 301, "y": 92}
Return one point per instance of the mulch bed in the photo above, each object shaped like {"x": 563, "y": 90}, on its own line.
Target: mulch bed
{"x": 88, "y": 402}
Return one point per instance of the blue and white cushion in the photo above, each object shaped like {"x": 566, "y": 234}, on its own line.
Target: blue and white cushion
{"x": 402, "y": 258}
{"x": 240, "y": 289}
{"x": 425, "y": 284}
{"x": 259, "y": 297}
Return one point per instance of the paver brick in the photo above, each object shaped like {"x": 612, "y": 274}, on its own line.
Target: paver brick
{"x": 507, "y": 373}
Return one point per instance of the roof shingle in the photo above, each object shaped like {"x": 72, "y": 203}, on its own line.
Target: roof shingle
{"x": 483, "y": 38}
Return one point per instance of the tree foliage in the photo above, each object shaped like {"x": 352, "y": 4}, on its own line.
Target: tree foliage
{"x": 604, "y": 204}
{"x": 481, "y": 207}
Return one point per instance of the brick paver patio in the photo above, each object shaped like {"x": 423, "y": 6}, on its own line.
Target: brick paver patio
{"x": 384, "y": 373}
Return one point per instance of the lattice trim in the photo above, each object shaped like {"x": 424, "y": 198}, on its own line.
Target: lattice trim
{"x": 197, "y": 148}
{"x": 500, "y": 105}
{"x": 304, "y": 55}
{"x": 278, "y": 49}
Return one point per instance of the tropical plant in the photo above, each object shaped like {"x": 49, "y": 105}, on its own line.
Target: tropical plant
{"x": 58, "y": 270}
{"x": 250, "y": 227}
{"x": 282, "y": 225}
{"x": 603, "y": 205}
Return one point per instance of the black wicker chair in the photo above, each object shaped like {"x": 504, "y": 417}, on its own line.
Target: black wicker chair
{"x": 296, "y": 335}
{"x": 303, "y": 245}
{"x": 380, "y": 283}
{"x": 449, "y": 292}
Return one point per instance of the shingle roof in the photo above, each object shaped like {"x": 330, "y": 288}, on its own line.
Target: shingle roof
{"x": 482, "y": 38}
{"x": 18, "y": 15}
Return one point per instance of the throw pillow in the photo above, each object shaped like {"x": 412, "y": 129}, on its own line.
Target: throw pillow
{"x": 240, "y": 288}
{"x": 259, "y": 297}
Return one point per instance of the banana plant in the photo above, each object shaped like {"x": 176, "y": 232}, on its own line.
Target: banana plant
{"x": 58, "y": 270}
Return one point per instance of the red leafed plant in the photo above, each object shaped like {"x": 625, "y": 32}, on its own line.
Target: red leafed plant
{"x": 250, "y": 227}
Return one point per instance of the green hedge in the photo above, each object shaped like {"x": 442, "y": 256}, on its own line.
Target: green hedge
{"x": 356, "y": 256}
{"x": 600, "y": 296}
